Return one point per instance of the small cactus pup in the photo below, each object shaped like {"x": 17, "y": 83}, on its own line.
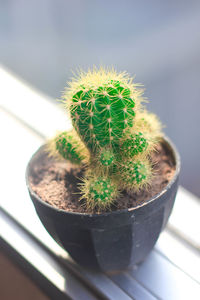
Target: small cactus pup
{"x": 112, "y": 138}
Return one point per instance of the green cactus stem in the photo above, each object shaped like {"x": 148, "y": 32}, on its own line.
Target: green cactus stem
{"x": 106, "y": 157}
{"x": 102, "y": 105}
{"x": 135, "y": 174}
{"x": 101, "y": 115}
{"x": 69, "y": 146}
{"x": 99, "y": 192}
{"x": 134, "y": 144}
{"x": 148, "y": 124}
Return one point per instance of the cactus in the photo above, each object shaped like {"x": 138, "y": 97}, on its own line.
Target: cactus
{"x": 106, "y": 157}
{"x": 135, "y": 173}
{"x": 101, "y": 115}
{"x": 113, "y": 135}
{"x": 68, "y": 145}
{"x": 134, "y": 144}
{"x": 98, "y": 191}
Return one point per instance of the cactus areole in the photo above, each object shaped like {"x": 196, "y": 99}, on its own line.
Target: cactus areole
{"x": 112, "y": 137}
{"x": 113, "y": 141}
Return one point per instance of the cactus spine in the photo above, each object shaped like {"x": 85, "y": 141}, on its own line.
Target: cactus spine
{"x": 114, "y": 135}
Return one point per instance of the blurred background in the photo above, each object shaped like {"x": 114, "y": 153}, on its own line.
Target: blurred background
{"x": 42, "y": 41}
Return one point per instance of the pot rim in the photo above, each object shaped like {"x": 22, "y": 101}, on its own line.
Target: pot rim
{"x": 125, "y": 210}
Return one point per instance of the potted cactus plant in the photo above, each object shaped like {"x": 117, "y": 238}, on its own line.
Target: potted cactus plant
{"x": 114, "y": 144}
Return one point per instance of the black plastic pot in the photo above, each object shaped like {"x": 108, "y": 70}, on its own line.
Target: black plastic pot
{"x": 114, "y": 240}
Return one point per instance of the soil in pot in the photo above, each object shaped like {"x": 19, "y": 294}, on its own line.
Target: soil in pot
{"x": 56, "y": 182}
